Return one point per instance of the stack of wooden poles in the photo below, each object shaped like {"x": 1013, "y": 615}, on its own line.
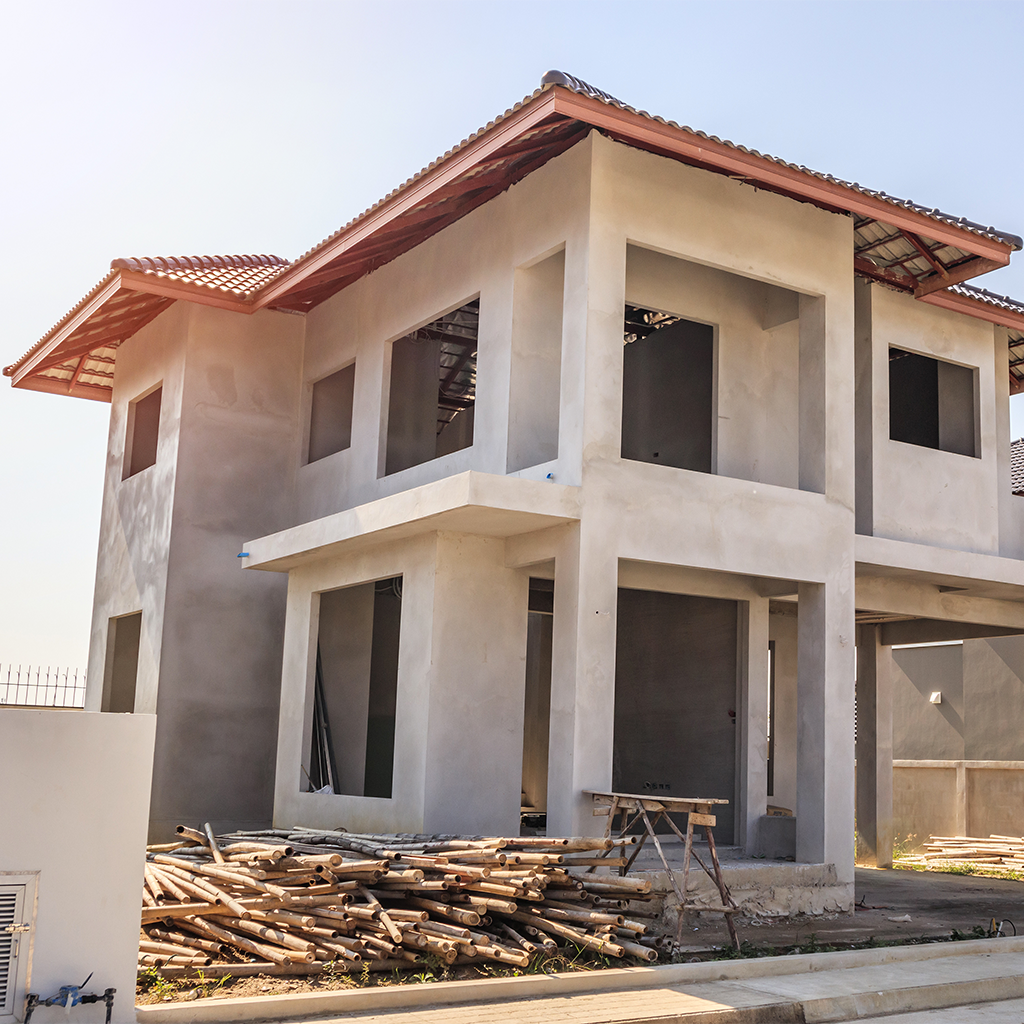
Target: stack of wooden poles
{"x": 946, "y": 851}
{"x": 303, "y": 901}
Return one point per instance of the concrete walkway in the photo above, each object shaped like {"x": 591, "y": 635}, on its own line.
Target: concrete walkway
{"x": 818, "y": 987}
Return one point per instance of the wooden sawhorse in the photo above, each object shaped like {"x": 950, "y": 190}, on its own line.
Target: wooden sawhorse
{"x": 650, "y": 811}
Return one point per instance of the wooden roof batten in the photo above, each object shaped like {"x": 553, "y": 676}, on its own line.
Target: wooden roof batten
{"x": 923, "y": 252}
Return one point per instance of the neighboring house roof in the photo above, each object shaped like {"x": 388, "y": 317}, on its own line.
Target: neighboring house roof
{"x": 1017, "y": 466}
{"x": 896, "y": 241}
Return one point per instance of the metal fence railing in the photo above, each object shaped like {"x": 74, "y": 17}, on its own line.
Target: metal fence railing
{"x": 35, "y": 686}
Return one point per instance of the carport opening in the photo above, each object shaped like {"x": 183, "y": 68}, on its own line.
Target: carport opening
{"x": 931, "y": 403}
{"x": 351, "y": 716}
{"x": 667, "y": 390}
{"x": 432, "y": 396}
{"x": 676, "y": 698}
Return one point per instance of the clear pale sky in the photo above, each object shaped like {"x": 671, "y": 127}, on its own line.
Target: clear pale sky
{"x": 240, "y": 127}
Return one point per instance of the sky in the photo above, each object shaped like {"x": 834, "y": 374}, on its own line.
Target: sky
{"x": 263, "y": 126}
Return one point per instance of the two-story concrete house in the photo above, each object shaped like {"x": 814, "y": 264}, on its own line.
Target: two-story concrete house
{"x": 586, "y": 459}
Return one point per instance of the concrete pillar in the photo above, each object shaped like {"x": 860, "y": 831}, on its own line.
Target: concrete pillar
{"x": 874, "y": 747}
{"x": 825, "y": 683}
{"x": 582, "y": 681}
{"x": 752, "y": 780}
{"x": 473, "y": 759}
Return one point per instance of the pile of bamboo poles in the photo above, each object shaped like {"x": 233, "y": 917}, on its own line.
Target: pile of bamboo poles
{"x": 293, "y": 902}
{"x": 947, "y": 851}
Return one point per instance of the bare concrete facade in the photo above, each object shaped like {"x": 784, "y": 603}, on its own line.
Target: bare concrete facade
{"x": 650, "y": 529}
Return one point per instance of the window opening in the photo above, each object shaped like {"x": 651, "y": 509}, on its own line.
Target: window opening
{"x": 432, "y": 394}
{"x": 330, "y": 415}
{"x": 124, "y": 634}
{"x": 931, "y": 403}
{"x": 537, "y": 709}
{"x": 142, "y": 434}
{"x": 667, "y": 390}
{"x": 355, "y": 689}
{"x": 536, "y": 367}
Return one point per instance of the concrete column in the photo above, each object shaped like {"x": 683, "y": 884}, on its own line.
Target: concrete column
{"x": 474, "y": 750}
{"x": 582, "y": 681}
{"x": 825, "y": 683}
{"x": 874, "y": 747}
{"x": 752, "y": 777}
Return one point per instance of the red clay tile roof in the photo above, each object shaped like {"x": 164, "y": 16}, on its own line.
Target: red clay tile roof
{"x": 549, "y": 121}
{"x": 240, "y": 275}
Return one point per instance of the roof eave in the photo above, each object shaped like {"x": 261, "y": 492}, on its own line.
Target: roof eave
{"x": 406, "y": 198}
{"x": 693, "y": 148}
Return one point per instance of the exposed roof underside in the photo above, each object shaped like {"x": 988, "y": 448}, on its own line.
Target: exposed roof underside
{"x": 898, "y": 242}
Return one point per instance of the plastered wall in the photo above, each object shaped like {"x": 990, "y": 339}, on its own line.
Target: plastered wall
{"x": 75, "y": 814}
{"x": 461, "y": 688}
{"x": 169, "y": 540}
{"x": 920, "y": 494}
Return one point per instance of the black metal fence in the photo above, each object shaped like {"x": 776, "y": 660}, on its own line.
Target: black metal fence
{"x": 35, "y": 686}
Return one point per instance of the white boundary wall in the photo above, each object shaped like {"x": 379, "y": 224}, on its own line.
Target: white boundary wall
{"x": 74, "y": 816}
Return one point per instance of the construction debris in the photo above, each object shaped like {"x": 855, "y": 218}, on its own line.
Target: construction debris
{"x": 294, "y": 901}
{"x": 950, "y": 851}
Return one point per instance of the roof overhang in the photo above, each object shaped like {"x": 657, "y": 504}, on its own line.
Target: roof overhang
{"x": 902, "y": 244}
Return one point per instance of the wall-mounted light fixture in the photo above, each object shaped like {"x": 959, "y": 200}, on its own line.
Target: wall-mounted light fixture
{"x": 936, "y": 697}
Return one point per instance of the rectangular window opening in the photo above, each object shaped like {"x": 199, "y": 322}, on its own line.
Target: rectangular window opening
{"x": 432, "y": 393}
{"x": 537, "y": 710}
{"x": 355, "y": 691}
{"x": 536, "y": 371}
{"x": 121, "y": 674}
{"x": 142, "y": 434}
{"x": 667, "y": 390}
{"x": 932, "y": 403}
{"x": 330, "y": 415}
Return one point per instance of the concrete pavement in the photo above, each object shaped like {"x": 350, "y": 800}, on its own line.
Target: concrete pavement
{"x": 804, "y": 988}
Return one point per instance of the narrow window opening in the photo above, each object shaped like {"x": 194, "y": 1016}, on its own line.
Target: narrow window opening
{"x": 352, "y": 714}
{"x": 534, "y": 392}
{"x": 330, "y": 417}
{"x": 142, "y": 434}
{"x": 931, "y": 403}
{"x": 432, "y": 394}
{"x": 122, "y": 663}
{"x": 667, "y": 390}
{"x": 537, "y": 710}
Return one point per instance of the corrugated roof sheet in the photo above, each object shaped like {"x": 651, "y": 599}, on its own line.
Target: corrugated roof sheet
{"x": 1017, "y": 466}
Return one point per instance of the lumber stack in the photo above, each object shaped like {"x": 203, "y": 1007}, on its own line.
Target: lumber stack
{"x": 296, "y": 901}
{"x": 949, "y": 851}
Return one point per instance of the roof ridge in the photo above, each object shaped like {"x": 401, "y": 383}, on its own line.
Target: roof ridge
{"x": 173, "y": 264}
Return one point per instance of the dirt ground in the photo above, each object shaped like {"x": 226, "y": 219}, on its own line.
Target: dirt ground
{"x": 892, "y": 906}
{"x": 935, "y": 904}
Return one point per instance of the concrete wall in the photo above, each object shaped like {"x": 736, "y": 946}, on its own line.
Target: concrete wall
{"x": 959, "y": 764}
{"x": 75, "y": 813}
{"x": 461, "y": 689}
{"x": 505, "y": 253}
{"x": 211, "y": 635}
{"x": 921, "y": 494}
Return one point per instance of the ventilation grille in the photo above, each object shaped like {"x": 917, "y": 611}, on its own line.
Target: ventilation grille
{"x": 8, "y": 911}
